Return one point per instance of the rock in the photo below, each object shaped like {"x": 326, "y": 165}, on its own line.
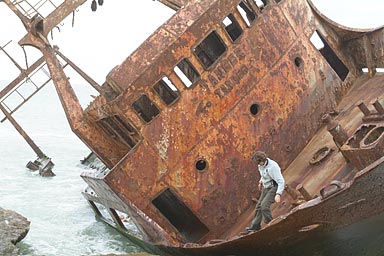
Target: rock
{"x": 133, "y": 254}
{"x": 13, "y": 228}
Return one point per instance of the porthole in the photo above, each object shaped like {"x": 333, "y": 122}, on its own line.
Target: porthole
{"x": 298, "y": 62}
{"x": 201, "y": 165}
{"x": 288, "y": 148}
{"x": 254, "y": 109}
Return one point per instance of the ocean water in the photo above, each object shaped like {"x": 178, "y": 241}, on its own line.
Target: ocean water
{"x": 62, "y": 223}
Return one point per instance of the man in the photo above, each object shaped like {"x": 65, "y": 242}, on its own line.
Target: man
{"x": 272, "y": 184}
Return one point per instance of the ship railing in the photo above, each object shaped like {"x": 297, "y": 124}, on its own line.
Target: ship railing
{"x": 32, "y": 8}
{"x": 26, "y": 85}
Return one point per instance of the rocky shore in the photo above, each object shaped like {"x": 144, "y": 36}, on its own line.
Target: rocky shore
{"x": 132, "y": 254}
{"x": 13, "y": 228}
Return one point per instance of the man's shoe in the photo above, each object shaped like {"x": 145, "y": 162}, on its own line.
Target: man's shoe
{"x": 250, "y": 229}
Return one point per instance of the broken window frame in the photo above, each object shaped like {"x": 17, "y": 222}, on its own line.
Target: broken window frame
{"x": 120, "y": 130}
{"x": 261, "y": 5}
{"x": 187, "y": 73}
{"x": 145, "y": 108}
{"x": 329, "y": 55}
{"x": 165, "y": 91}
{"x": 173, "y": 208}
{"x": 204, "y": 48}
{"x": 236, "y": 30}
{"x": 247, "y": 19}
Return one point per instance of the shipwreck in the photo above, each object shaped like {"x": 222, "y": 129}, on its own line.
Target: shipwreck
{"x": 175, "y": 124}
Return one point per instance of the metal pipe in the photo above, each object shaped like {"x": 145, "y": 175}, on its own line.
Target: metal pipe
{"x": 378, "y": 107}
{"x": 292, "y": 192}
{"x": 304, "y": 192}
{"x": 364, "y": 108}
{"x": 92, "y": 82}
{"x": 338, "y": 133}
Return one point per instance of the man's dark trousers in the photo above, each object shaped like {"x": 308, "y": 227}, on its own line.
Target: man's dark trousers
{"x": 263, "y": 207}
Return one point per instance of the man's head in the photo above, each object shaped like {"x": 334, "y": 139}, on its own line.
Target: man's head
{"x": 259, "y": 157}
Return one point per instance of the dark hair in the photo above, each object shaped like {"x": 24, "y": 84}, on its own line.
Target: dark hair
{"x": 259, "y": 156}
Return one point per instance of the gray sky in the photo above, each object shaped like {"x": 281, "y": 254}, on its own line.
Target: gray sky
{"x": 97, "y": 43}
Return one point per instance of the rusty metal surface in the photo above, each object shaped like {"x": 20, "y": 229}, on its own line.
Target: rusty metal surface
{"x": 270, "y": 89}
{"x": 59, "y": 14}
{"x": 309, "y": 219}
{"x": 213, "y": 126}
{"x": 364, "y": 46}
{"x": 175, "y": 4}
{"x": 216, "y": 125}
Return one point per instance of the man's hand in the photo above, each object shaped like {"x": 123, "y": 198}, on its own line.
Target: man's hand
{"x": 260, "y": 187}
{"x": 277, "y": 198}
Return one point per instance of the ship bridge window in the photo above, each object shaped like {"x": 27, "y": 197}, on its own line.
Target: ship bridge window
{"x": 146, "y": 109}
{"x": 210, "y": 49}
{"x": 330, "y": 56}
{"x": 232, "y": 27}
{"x": 180, "y": 216}
{"x": 246, "y": 13}
{"x": 122, "y": 131}
{"x": 186, "y": 72}
{"x": 261, "y": 3}
{"x": 166, "y": 90}
{"x": 378, "y": 70}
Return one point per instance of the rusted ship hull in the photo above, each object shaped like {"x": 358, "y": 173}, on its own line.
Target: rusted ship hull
{"x": 334, "y": 225}
{"x": 273, "y": 90}
{"x": 177, "y": 121}
{"x": 313, "y": 219}
{"x": 337, "y": 207}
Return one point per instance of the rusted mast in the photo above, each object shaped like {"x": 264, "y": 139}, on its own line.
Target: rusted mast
{"x": 37, "y": 31}
{"x": 23, "y": 74}
{"x": 36, "y": 39}
{"x": 42, "y": 163}
{"x": 92, "y": 82}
